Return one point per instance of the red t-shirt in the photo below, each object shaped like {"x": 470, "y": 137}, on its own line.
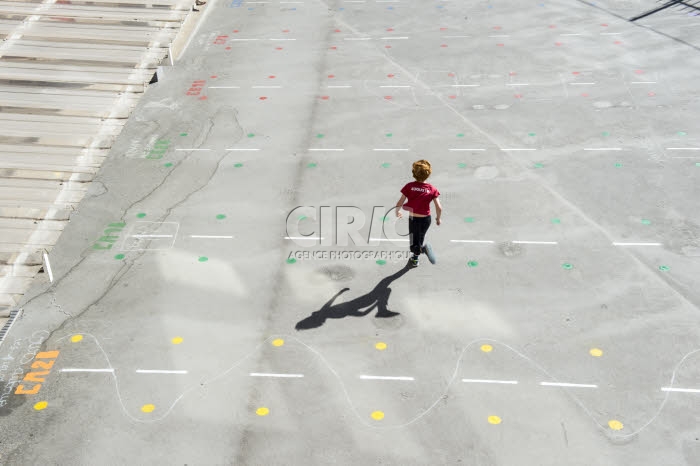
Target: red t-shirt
{"x": 419, "y": 196}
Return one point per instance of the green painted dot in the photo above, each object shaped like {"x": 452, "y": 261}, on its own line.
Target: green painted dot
{"x": 251, "y": 135}
{"x": 664, "y": 268}
{"x": 389, "y": 135}
{"x": 220, "y": 216}
{"x": 556, "y": 220}
{"x": 605, "y": 133}
{"x": 169, "y": 164}
{"x": 462, "y": 165}
{"x": 469, "y": 219}
{"x": 302, "y": 217}
{"x": 646, "y": 222}
{"x": 567, "y": 266}
{"x": 119, "y": 256}
{"x": 531, "y": 134}
{"x": 682, "y": 133}
{"x": 472, "y": 263}
{"x": 386, "y": 165}
{"x": 141, "y": 215}
{"x": 618, "y": 165}
{"x": 538, "y": 165}
{"x": 291, "y": 260}
{"x": 460, "y": 135}
{"x": 312, "y": 165}
{"x": 320, "y": 136}
{"x": 697, "y": 164}
{"x": 238, "y": 165}
{"x": 381, "y": 262}
{"x": 385, "y": 218}
{"x": 183, "y": 134}
{"x": 203, "y": 259}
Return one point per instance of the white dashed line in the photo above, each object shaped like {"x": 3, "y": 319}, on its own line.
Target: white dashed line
{"x": 682, "y": 390}
{"x": 394, "y": 38}
{"x": 87, "y": 370}
{"x": 471, "y": 241}
{"x": 157, "y": 371}
{"x": 576, "y": 385}
{"x": 643, "y": 82}
{"x": 212, "y": 236}
{"x": 535, "y": 242}
{"x": 266, "y": 374}
{"x": 380, "y": 377}
{"x": 357, "y": 38}
{"x": 683, "y": 148}
{"x": 511, "y": 382}
{"x": 637, "y": 244}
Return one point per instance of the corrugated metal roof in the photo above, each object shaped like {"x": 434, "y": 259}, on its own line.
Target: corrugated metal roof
{"x": 70, "y": 74}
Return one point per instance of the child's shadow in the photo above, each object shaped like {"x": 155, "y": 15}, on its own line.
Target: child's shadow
{"x": 378, "y": 297}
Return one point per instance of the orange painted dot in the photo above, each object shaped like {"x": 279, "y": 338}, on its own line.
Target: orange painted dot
{"x": 213, "y": 76}
{"x": 334, "y": 48}
{"x": 443, "y": 45}
{"x": 558, "y": 44}
{"x": 604, "y": 25}
{"x": 497, "y": 27}
{"x": 390, "y": 75}
{"x": 500, "y": 45}
{"x": 331, "y": 76}
{"x": 337, "y": 30}
{"x": 263, "y": 98}
{"x": 228, "y": 48}
{"x": 285, "y": 30}
{"x": 278, "y": 48}
{"x": 203, "y": 97}
{"x": 390, "y": 29}
{"x": 387, "y": 97}
{"x": 325, "y": 97}
{"x": 453, "y": 97}
{"x": 235, "y": 30}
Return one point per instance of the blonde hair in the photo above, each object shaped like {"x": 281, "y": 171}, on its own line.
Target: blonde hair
{"x": 421, "y": 170}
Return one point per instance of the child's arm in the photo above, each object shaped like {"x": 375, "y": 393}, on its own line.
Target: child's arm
{"x": 438, "y": 210}
{"x": 399, "y": 204}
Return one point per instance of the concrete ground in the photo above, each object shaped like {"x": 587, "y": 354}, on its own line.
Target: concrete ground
{"x": 559, "y": 326}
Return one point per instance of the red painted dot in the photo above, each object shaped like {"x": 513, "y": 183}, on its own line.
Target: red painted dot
{"x": 451, "y": 75}
{"x": 652, "y": 94}
{"x": 604, "y": 25}
{"x": 452, "y": 97}
{"x": 331, "y": 76}
{"x": 387, "y": 97}
{"x": 552, "y": 26}
{"x": 387, "y": 46}
{"x": 263, "y": 98}
{"x": 518, "y": 96}
{"x": 390, "y": 30}
{"x": 337, "y": 30}
{"x": 213, "y": 76}
{"x": 235, "y": 30}
{"x": 500, "y": 45}
{"x": 325, "y": 97}
{"x": 443, "y": 29}
{"x": 228, "y": 48}
{"x": 618, "y": 42}
{"x": 638, "y": 71}
{"x": 575, "y": 72}
{"x": 512, "y": 73}
{"x": 497, "y": 27}
{"x": 278, "y": 48}
{"x": 334, "y": 48}
{"x": 585, "y": 94}
{"x": 272, "y": 76}
{"x": 443, "y": 45}
{"x": 558, "y": 44}
{"x": 285, "y": 30}
{"x": 203, "y": 97}
{"x": 390, "y": 75}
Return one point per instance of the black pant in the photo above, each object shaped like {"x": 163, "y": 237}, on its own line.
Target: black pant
{"x": 417, "y": 228}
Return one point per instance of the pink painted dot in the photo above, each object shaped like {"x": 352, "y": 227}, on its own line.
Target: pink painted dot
{"x": 497, "y": 27}
{"x": 390, "y": 30}
{"x": 652, "y": 94}
{"x": 585, "y": 94}
{"x": 272, "y": 76}
{"x": 337, "y": 30}
{"x": 552, "y": 26}
{"x": 213, "y": 76}
{"x": 451, "y": 75}
{"x": 263, "y": 98}
{"x": 390, "y": 75}
{"x": 228, "y": 48}
{"x": 452, "y": 97}
{"x": 618, "y": 42}
{"x": 500, "y": 45}
{"x": 334, "y": 48}
{"x": 387, "y": 97}
{"x": 512, "y": 73}
{"x": 387, "y": 46}
{"x": 203, "y": 97}
{"x": 443, "y": 45}
{"x": 325, "y": 97}
{"x": 558, "y": 44}
{"x": 331, "y": 76}
{"x": 278, "y": 48}
{"x": 285, "y": 30}
{"x": 518, "y": 96}
{"x": 638, "y": 71}
{"x": 443, "y": 29}
{"x": 604, "y": 25}
{"x": 575, "y": 72}
{"x": 235, "y": 30}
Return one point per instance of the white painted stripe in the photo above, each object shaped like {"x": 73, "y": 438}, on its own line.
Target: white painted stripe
{"x": 151, "y": 236}
{"x": 466, "y": 85}
{"x": 191, "y": 149}
{"x": 212, "y": 236}
{"x": 87, "y": 370}
{"x": 511, "y": 382}
{"x": 389, "y": 149}
{"x": 394, "y": 38}
{"x": 683, "y": 148}
{"x": 394, "y": 86}
{"x": 243, "y": 149}
{"x": 338, "y": 87}
{"x": 266, "y": 374}
{"x": 643, "y": 82}
{"x": 158, "y": 371}
{"x": 682, "y": 390}
{"x": 535, "y": 242}
{"x": 610, "y": 33}
{"x": 223, "y": 87}
{"x": 275, "y": 38}
{"x": 637, "y": 244}
{"x": 582, "y": 84}
{"x": 304, "y": 237}
{"x": 48, "y": 267}
{"x": 338, "y": 150}
{"x": 471, "y": 241}
{"x": 465, "y": 149}
{"x": 357, "y": 38}
{"x": 558, "y": 384}
{"x": 602, "y": 148}
{"x": 267, "y": 87}
{"x": 518, "y": 149}
{"x": 380, "y": 377}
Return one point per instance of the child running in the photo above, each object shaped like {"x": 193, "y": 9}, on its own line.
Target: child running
{"x": 419, "y": 194}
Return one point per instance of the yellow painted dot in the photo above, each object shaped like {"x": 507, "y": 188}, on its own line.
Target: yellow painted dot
{"x": 486, "y": 348}
{"x": 494, "y": 420}
{"x": 76, "y": 338}
{"x": 41, "y": 405}
{"x": 596, "y": 352}
{"x": 278, "y": 342}
{"x": 177, "y": 340}
{"x": 381, "y": 346}
{"x": 377, "y": 415}
{"x": 148, "y": 408}
{"x": 615, "y": 424}
{"x": 262, "y": 411}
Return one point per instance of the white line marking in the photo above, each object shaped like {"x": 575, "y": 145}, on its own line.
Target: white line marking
{"x": 389, "y": 149}
{"x": 223, "y": 87}
{"x": 517, "y": 149}
{"x": 471, "y": 241}
{"x": 683, "y": 390}
{"x": 191, "y": 149}
{"x": 610, "y": 33}
{"x": 466, "y": 85}
{"x": 48, "y": 267}
{"x": 582, "y": 84}
{"x": 637, "y": 244}
{"x": 683, "y": 148}
{"x": 602, "y": 148}
{"x": 242, "y": 149}
{"x": 267, "y": 87}
{"x": 394, "y": 38}
{"x": 511, "y": 382}
{"x": 466, "y": 149}
{"x": 535, "y": 242}
{"x": 266, "y": 374}
{"x": 157, "y": 371}
{"x": 87, "y": 370}
{"x": 557, "y": 384}
{"x": 337, "y": 150}
{"x": 338, "y": 87}
{"x": 212, "y": 236}
{"x": 358, "y": 38}
{"x": 394, "y": 86}
{"x": 380, "y": 377}
{"x": 281, "y": 39}
{"x": 304, "y": 237}
{"x": 643, "y": 82}
{"x": 151, "y": 236}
